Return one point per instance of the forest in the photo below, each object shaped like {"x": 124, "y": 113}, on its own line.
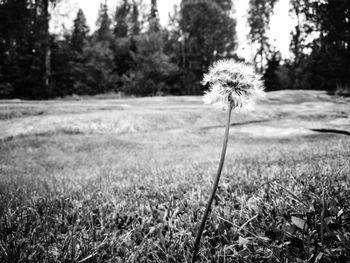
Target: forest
{"x": 130, "y": 53}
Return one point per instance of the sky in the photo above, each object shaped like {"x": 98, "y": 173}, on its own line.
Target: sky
{"x": 281, "y": 23}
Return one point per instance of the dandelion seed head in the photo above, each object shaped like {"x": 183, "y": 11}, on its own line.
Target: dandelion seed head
{"x": 232, "y": 84}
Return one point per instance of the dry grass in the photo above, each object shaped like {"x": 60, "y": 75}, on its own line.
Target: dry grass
{"x": 136, "y": 195}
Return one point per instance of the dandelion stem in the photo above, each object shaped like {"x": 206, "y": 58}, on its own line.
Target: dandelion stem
{"x": 216, "y": 183}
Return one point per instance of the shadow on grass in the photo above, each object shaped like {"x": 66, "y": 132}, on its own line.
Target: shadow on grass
{"x": 332, "y": 131}
{"x": 44, "y": 134}
{"x": 234, "y": 124}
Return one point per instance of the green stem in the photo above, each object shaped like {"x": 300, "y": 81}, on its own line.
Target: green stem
{"x": 216, "y": 183}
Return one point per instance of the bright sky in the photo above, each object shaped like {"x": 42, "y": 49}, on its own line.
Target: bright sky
{"x": 279, "y": 34}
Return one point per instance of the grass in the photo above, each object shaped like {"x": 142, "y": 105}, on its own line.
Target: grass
{"x": 138, "y": 196}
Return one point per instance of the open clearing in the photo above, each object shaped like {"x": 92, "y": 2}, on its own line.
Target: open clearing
{"x": 126, "y": 180}
{"x": 281, "y": 114}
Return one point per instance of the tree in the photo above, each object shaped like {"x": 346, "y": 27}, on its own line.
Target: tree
{"x": 174, "y": 49}
{"x": 208, "y": 33}
{"x": 96, "y": 74}
{"x": 121, "y": 19}
{"x": 259, "y": 13}
{"x": 153, "y": 20}
{"x": 14, "y": 46}
{"x": 295, "y": 69}
{"x": 46, "y": 44}
{"x": 26, "y": 65}
{"x": 124, "y": 31}
{"x": 150, "y": 68}
{"x": 134, "y": 22}
{"x": 42, "y": 35}
{"x": 80, "y": 32}
{"x": 103, "y": 32}
{"x": 68, "y": 58}
{"x": 334, "y": 42}
{"x": 270, "y": 77}
{"x": 153, "y": 68}
{"x": 297, "y": 45}
{"x": 63, "y": 58}
{"x": 324, "y": 62}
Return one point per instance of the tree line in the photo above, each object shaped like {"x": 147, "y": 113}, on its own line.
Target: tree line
{"x": 131, "y": 53}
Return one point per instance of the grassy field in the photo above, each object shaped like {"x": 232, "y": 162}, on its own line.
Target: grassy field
{"x": 127, "y": 180}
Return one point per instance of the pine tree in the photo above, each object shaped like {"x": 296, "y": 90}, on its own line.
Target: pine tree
{"x": 96, "y": 75}
{"x": 134, "y": 20}
{"x": 270, "y": 77}
{"x": 80, "y": 32}
{"x": 103, "y": 24}
{"x": 151, "y": 67}
{"x": 121, "y": 16}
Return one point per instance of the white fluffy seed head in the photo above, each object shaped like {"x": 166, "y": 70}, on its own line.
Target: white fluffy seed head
{"x": 232, "y": 84}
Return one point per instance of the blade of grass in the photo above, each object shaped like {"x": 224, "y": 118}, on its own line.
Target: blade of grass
{"x": 246, "y": 223}
{"x": 292, "y": 194}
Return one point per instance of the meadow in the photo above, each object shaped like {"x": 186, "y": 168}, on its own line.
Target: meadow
{"x": 126, "y": 180}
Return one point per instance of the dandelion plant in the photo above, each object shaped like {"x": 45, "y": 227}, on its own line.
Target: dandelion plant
{"x": 231, "y": 85}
